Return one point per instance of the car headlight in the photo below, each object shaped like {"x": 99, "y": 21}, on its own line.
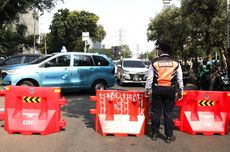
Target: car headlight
{"x": 11, "y": 72}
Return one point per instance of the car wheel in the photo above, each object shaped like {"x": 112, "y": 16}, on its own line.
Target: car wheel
{"x": 98, "y": 85}
{"x": 26, "y": 83}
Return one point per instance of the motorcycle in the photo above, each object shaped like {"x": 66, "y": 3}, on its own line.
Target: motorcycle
{"x": 222, "y": 82}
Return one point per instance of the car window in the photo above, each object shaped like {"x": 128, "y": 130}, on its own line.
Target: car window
{"x": 41, "y": 59}
{"x": 13, "y": 60}
{"x": 30, "y": 58}
{"x": 83, "y": 60}
{"x": 100, "y": 61}
{"x": 132, "y": 63}
{"x": 60, "y": 61}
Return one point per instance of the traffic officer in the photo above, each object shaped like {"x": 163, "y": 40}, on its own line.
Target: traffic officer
{"x": 166, "y": 80}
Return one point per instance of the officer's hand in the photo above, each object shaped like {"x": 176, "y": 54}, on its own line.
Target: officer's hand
{"x": 179, "y": 95}
{"x": 147, "y": 92}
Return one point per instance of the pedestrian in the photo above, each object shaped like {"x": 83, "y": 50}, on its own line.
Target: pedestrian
{"x": 166, "y": 80}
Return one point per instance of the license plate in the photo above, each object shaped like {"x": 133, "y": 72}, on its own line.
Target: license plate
{"x": 135, "y": 77}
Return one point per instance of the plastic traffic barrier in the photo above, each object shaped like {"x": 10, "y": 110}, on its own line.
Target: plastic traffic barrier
{"x": 32, "y": 110}
{"x": 204, "y": 112}
{"x": 120, "y": 113}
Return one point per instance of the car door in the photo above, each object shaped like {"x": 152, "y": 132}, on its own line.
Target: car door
{"x": 82, "y": 71}
{"x": 56, "y": 72}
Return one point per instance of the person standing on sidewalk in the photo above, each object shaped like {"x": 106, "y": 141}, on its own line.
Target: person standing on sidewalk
{"x": 166, "y": 80}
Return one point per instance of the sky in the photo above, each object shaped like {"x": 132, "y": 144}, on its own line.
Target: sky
{"x": 129, "y": 16}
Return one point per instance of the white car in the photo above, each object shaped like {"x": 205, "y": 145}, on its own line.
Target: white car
{"x": 131, "y": 71}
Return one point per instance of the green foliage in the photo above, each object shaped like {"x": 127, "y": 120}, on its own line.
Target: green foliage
{"x": 14, "y": 39}
{"x": 207, "y": 23}
{"x": 125, "y": 51}
{"x": 67, "y": 28}
{"x": 107, "y": 52}
{"x": 169, "y": 27}
{"x": 122, "y": 52}
{"x": 148, "y": 55}
{"x": 196, "y": 27}
{"x": 10, "y": 9}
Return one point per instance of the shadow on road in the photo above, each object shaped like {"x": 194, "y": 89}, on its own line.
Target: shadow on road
{"x": 78, "y": 105}
{"x": 131, "y": 85}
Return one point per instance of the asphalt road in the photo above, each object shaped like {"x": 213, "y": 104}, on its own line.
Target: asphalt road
{"x": 80, "y": 136}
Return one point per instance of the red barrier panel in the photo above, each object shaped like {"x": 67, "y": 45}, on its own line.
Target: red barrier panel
{"x": 204, "y": 112}
{"x": 120, "y": 113}
{"x": 31, "y": 110}
{"x": 2, "y": 93}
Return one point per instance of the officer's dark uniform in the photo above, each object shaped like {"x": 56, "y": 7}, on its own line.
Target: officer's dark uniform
{"x": 164, "y": 75}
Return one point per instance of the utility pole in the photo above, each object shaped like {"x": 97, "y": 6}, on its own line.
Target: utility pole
{"x": 120, "y": 36}
{"x": 34, "y": 18}
{"x": 121, "y": 39}
{"x": 137, "y": 50}
{"x": 45, "y": 43}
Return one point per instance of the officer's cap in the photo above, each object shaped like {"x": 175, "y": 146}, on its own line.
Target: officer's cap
{"x": 164, "y": 47}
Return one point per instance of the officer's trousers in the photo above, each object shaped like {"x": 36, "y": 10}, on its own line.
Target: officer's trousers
{"x": 163, "y": 99}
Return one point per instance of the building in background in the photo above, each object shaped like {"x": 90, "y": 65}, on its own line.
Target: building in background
{"x": 31, "y": 20}
{"x": 96, "y": 45}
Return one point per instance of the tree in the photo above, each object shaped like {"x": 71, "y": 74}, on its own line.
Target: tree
{"x": 207, "y": 23}
{"x": 125, "y": 51}
{"x": 13, "y": 39}
{"x": 10, "y": 9}
{"x": 194, "y": 28}
{"x": 67, "y": 27}
{"x": 115, "y": 53}
{"x": 148, "y": 56}
{"x": 170, "y": 27}
{"x": 107, "y": 52}
{"x": 13, "y": 35}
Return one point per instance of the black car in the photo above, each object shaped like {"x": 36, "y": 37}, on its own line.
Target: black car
{"x": 18, "y": 59}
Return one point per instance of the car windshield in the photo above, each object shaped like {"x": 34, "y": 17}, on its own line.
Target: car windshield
{"x": 132, "y": 64}
{"x": 39, "y": 60}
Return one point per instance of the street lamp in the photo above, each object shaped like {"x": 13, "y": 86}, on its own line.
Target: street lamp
{"x": 35, "y": 17}
{"x": 43, "y": 36}
{"x": 42, "y": 32}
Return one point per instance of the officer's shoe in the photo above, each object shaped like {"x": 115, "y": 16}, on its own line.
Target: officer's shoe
{"x": 155, "y": 135}
{"x": 168, "y": 140}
